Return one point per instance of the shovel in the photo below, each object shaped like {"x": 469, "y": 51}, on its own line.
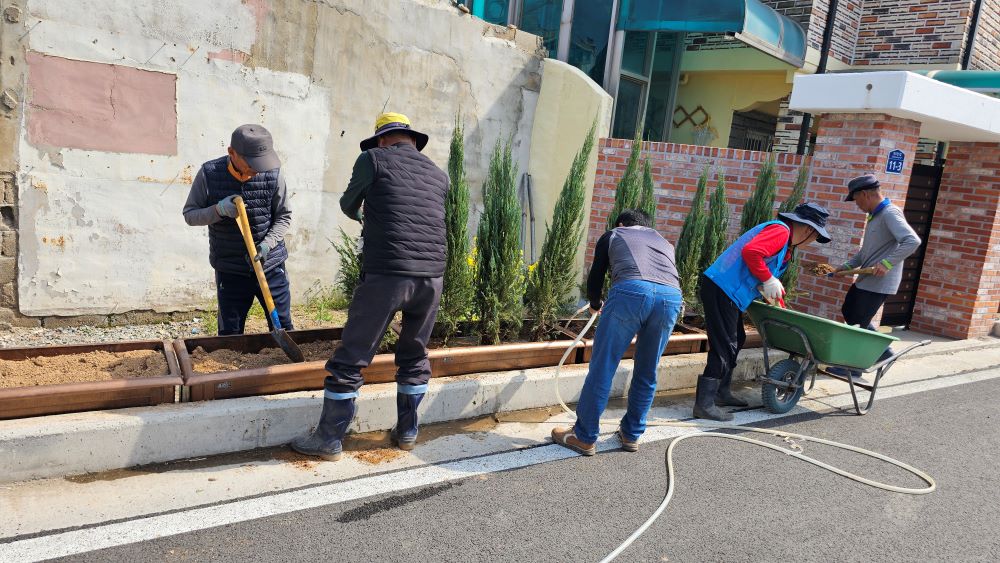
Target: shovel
{"x": 855, "y": 272}
{"x": 279, "y": 334}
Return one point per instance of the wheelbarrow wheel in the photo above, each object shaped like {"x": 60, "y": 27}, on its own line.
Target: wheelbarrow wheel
{"x": 776, "y": 399}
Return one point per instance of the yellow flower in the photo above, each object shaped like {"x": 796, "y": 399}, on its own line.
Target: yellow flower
{"x": 531, "y": 267}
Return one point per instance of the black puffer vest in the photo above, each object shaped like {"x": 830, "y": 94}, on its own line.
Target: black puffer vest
{"x": 226, "y": 250}
{"x": 404, "y": 231}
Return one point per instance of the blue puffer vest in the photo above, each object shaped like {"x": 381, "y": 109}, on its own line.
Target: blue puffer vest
{"x": 226, "y": 250}
{"x": 733, "y": 277}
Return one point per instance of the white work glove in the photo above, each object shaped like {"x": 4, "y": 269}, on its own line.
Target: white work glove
{"x": 773, "y": 290}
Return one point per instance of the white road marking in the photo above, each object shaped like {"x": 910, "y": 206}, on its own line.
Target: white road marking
{"x": 153, "y": 527}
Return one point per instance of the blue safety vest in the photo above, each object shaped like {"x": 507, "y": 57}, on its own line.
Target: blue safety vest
{"x": 733, "y": 277}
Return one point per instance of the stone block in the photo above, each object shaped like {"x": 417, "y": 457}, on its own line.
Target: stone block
{"x": 138, "y": 318}
{"x": 8, "y": 295}
{"x": 13, "y": 318}
{"x": 8, "y": 269}
{"x": 8, "y": 244}
{"x": 9, "y": 194}
{"x": 81, "y": 320}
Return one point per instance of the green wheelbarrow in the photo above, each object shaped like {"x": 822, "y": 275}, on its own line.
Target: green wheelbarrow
{"x": 811, "y": 341}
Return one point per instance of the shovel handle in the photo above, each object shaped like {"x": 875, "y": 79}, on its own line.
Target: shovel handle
{"x": 243, "y": 222}
{"x": 855, "y": 272}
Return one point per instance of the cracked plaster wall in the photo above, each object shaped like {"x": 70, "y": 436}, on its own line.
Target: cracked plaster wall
{"x": 102, "y": 232}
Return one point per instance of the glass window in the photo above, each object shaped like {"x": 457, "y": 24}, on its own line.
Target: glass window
{"x": 629, "y": 104}
{"x": 661, "y": 87}
{"x": 541, "y": 17}
{"x": 493, "y": 11}
{"x": 634, "y": 52}
{"x": 588, "y": 48}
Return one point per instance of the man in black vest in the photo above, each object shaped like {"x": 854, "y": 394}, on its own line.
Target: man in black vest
{"x": 404, "y": 242}
{"x": 251, "y": 170}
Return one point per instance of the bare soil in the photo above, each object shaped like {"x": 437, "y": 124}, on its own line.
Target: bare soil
{"x": 230, "y": 360}
{"x": 77, "y": 368}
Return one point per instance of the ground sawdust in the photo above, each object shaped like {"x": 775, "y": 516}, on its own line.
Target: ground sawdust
{"x": 230, "y": 360}
{"x": 78, "y": 368}
{"x": 378, "y": 456}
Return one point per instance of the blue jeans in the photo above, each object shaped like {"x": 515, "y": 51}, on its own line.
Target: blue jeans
{"x": 634, "y": 308}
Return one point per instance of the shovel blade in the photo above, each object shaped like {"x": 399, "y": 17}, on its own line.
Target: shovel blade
{"x": 287, "y": 345}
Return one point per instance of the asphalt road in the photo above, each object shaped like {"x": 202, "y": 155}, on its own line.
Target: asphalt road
{"x": 734, "y": 503}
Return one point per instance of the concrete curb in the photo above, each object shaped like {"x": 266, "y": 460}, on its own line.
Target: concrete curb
{"x": 59, "y": 445}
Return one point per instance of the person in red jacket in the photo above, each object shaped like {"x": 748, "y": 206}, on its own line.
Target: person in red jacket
{"x": 751, "y": 266}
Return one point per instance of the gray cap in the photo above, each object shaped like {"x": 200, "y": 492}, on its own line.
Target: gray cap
{"x": 254, "y": 144}
{"x": 866, "y": 182}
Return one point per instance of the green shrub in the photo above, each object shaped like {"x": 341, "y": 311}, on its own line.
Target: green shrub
{"x": 790, "y": 279}
{"x": 500, "y": 261}
{"x": 459, "y": 291}
{"x": 349, "y": 276}
{"x": 628, "y": 195}
{"x": 647, "y": 202}
{"x": 717, "y": 227}
{"x": 759, "y": 208}
{"x": 689, "y": 245}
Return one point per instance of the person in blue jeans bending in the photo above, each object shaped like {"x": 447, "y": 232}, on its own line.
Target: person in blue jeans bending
{"x": 644, "y": 302}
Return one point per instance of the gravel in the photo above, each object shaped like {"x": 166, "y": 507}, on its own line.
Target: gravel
{"x": 30, "y": 337}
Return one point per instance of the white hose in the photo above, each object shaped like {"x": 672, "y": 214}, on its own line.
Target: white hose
{"x": 794, "y": 450}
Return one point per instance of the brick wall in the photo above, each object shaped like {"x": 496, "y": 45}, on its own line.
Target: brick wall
{"x": 848, "y": 145}
{"x": 676, "y": 169}
{"x": 986, "y": 50}
{"x": 845, "y": 31}
{"x": 960, "y": 283}
{"x": 907, "y": 31}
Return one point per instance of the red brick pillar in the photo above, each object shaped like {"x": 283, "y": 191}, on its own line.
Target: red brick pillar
{"x": 959, "y": 290}
{"x": 849, "y": 145}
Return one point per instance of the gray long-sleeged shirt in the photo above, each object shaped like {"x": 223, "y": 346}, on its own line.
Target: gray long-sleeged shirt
{"x": 889, "y": 239}
{"x": 198, "y": 212}
{"x": 632, "y": 253}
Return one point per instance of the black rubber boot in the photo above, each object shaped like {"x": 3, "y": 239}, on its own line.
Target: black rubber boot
{"x": 404, "y": 434}
{"x": 325, "y": 441}
{"x": 704, "y": 401}
{"x": 724, "y": 397}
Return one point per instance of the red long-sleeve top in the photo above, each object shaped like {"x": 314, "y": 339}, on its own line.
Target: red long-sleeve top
{"x": 766, "y": 244}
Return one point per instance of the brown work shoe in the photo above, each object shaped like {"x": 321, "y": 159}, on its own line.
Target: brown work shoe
{"x": 627, "y": 445}
{"x": 564, "y": 436}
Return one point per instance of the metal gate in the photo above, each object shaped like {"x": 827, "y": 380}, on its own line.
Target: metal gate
{"x": 919, "y": 210}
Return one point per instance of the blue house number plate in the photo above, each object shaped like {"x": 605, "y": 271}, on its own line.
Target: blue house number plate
{"x": 895, "y": 163}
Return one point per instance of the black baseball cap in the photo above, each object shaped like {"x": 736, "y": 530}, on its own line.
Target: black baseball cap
{"x": 255, "y": 145}
{"x": 866, "y": 182}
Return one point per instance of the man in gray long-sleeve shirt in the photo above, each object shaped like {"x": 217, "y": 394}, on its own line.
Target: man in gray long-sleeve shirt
{"x": 251, "y": 170}
{"x": 888, "y": 242}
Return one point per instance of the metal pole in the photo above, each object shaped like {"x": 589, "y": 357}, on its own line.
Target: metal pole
{"x": 565, "y": 30}
{"x": 610, "y": 86}
{"x": 824, "y": 56}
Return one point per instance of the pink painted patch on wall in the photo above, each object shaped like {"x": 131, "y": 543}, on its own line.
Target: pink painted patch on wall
{"x": 101, "y": 107}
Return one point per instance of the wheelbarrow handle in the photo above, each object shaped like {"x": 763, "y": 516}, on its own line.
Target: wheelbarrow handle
{"x": 897, "y": 355}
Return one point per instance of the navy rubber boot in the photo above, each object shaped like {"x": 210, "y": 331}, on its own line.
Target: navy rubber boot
{"x": 404, "y": 434}
{"x": 704, "y": 401}
{"x": 724, "y": 396}
{"x": 325, "y": 441}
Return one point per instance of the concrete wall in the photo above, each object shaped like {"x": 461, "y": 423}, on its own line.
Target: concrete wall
{"x": 100, "y": 225}
{"x": 569, "y": 102}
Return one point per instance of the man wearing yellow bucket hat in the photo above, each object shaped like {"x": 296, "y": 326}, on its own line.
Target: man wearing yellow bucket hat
{"x": 398, "y": 194}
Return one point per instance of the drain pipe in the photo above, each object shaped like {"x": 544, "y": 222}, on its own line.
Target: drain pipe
{"x": 824, "y": 56}
{"x": 970, "y": 43}
{"x": 973, "y": 30}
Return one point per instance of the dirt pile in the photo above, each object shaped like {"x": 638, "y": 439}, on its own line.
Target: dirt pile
{"x": 229, "y": 360}
{"x": 76, "y": 368}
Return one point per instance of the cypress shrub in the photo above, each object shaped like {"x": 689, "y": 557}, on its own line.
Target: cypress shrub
{"x": 629, "y": 192}
{"x": 759, "y": 208}
{"x": 458, "y": 293}
{"x": 717, "y": 228}
{"x": 500, "y": 260}
{"x": 691, "y": 241}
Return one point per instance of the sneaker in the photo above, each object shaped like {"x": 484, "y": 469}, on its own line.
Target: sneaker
{"x": 564, "y": 436}
{"x": 627, "y": 445}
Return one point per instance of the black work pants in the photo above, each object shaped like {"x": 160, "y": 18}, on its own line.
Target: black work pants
{"x": 860, "y": 306}
{"x": 726, "y": 335}
{"x": 373, "y": 306}
{"x": 236, "y": 293}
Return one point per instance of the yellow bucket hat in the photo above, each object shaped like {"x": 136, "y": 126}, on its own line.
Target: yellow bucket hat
{"x": 390, "y": 121}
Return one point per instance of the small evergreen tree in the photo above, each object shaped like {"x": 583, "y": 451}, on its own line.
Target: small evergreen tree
{"x": 717, "y": 228}
{"x": 458, "y": 293}
{"x": 552, "y": 278}
{"x": 647, "y": 202}
{"x": 689, "y": 245}
{"x": 500, "y": 262}
{"x": 790, "y": 279}
{"x": 759, "y": 208}
{"x": 349, "y": 276}
{"x": 629, "y": 192}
